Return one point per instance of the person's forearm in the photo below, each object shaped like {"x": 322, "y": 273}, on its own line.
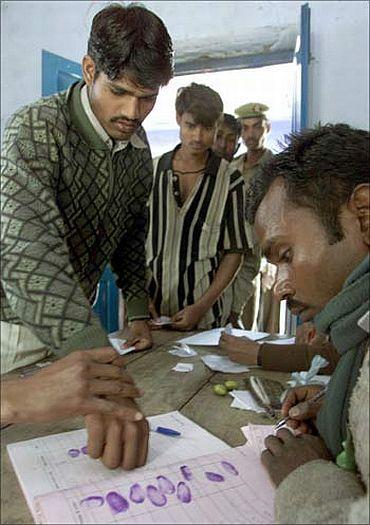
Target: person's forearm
{"x": 10, "y": 400}
{"x": 296, "y": 357}
{"x": 225, "y": 274}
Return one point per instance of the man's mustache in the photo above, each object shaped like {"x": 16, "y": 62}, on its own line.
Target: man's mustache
{"x": 292, "y": 303}
{"x": 135, "y": 121}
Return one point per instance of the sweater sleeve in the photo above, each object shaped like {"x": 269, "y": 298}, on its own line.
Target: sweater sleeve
{"x": 38, "y": 279}
{"x": 296, "y": 357}
{"x": 321, "y": 492}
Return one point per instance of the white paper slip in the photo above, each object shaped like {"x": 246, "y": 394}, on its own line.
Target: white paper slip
{"x": 182, "y": 350}
{"x": 118, "y": 343}
{"x": 219, "y": 363}
{"x": 183, "y": 367}
{"x": 246, "y": 401}
{"x": 321, "y": 379}
{"x": 59, "y": 461}
{"x": 212, "y": 337}
{"x": 288, "y": 341}
{"x": 162, "y": 320}
{"x": 229, "y": 487}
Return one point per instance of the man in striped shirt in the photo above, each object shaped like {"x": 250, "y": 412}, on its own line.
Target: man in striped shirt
{"x": 196, "y": 236}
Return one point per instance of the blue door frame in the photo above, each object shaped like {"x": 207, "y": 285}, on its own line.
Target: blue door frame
{"x": 58, "y": 74}
{"x": 300, "y": 103}
{"x": 301, "y": 60}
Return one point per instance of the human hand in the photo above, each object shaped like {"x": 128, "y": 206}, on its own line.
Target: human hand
{"x": 141, "y": 337}
{"x": 305, "y": 333}
{"x": 296, "y": 407}
{"x": 240, "y": 349}
{"x": 118, "y": 442}
{"x": 234, "y": 319}
{"x": 154, "y": 315}
{"x": 286, "y": 452}
{"x": 70, "y": 387}
{"x": 187, "y": 318}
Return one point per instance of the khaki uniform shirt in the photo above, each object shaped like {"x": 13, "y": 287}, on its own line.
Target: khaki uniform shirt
{"x": 243, "y": 286}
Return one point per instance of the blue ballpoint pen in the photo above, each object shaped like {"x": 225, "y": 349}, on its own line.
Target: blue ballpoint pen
{"x": 167, "y": 431}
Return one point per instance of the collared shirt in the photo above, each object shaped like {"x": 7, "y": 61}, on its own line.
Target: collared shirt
{"x": 185, "y": 244}
{"x": 114, "y": 146}
{"x": 250, "y": 171}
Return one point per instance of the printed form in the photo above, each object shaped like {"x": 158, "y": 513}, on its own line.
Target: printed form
{"x": 195, "y": 478}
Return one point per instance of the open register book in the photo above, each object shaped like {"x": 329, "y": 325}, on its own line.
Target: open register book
{"x": 195, "y": 478}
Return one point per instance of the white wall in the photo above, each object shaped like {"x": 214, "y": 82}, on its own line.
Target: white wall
{"x": 62, "y": 27}
{"x": 339, "y": 89}
{"x": 339, "y": 70}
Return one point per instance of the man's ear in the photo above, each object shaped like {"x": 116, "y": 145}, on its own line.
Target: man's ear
{"x": 359, "y": 204}
{"x": 178, "y": 118}
{"x": 88, "y": 70}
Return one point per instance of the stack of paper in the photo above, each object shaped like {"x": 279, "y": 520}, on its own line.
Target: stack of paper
{"x": 256, "y": 435}
{"x": 212, "y": 337}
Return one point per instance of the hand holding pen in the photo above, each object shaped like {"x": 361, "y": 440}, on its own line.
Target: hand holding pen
{"x": 301, "y": 406}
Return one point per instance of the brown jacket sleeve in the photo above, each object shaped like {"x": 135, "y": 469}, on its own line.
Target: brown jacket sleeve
{"x": 296, "y": 357}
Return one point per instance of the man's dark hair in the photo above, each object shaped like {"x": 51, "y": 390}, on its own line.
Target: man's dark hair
{"x": 131, "y": 41}
{"x": 202, "y": 102}
{"x": 320, "y": 168}
{"x": 231, "y": 122}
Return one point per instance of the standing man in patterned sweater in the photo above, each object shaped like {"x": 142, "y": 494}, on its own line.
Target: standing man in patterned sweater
{"x": 196, "y": 236}
{"x": 76, "y": 174}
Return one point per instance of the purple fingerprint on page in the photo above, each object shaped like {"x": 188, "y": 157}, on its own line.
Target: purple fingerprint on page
{"x": 165, "y": 485}
{"x": 84, "y": 449}
{"x": 213, "y": 476}
{"x": 186, "y": 472}
{"x": 92, "y": 501}
{"x": 155, "y": 496}
{"x": 229, "y": 468}
{"x": 183, "y": 492}
{"x": 73, "y": 452}
{"x": 116, "y": 502}
{"x": 137, "y": 494}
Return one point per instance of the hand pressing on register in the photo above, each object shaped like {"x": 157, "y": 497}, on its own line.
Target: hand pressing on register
{"x": 117, "y": 442}
{"x": 286, "y": 452}
{"x": 70, "y": 387}
{"x": 240, "y": 349}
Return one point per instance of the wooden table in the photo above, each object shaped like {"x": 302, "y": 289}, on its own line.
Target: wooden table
{"x": 165, "y": 390}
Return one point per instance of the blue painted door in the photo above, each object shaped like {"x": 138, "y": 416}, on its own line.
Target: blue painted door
{"x": 58, "y": 74}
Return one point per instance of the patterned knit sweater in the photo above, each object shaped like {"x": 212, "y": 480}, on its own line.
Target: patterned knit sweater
{"x": 69, "y": 207}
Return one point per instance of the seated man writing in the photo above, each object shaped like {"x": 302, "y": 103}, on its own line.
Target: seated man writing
{"x": 311, "y": 212}
{"x": 197, "y": 236}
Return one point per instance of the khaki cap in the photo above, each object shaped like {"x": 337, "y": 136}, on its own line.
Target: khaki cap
{"x": 252, "y": 110}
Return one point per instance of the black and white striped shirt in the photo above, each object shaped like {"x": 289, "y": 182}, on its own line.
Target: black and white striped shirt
{"x": 185, "y": 244}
